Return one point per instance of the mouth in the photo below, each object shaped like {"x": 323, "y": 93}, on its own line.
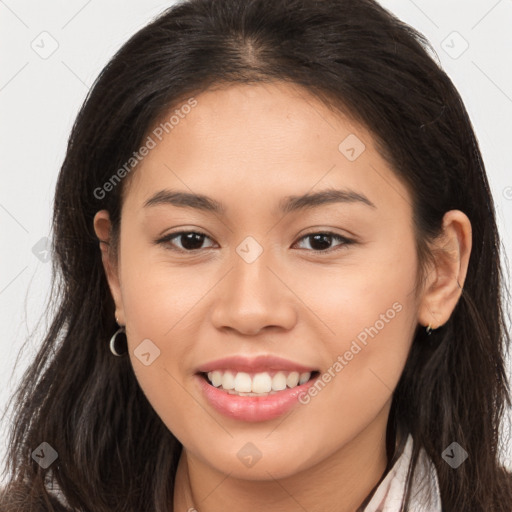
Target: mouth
{"x": 273, "y": 397}
{"x": 254, "y": 389}
{"x": 256, "y": 384}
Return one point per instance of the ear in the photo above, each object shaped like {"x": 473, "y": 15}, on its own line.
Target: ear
{"x": 443, "y": 286}
{"x": 102, "y": 228}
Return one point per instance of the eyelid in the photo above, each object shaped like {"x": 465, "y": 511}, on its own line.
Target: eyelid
{"x": 166, "y": 239}
{"x": 344, "y": 239}
{"x": 318, "y": 231}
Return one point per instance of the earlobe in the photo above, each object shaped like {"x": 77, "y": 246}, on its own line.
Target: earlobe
{"x": 451, "y": 254}
{"x": 102, "y": 228}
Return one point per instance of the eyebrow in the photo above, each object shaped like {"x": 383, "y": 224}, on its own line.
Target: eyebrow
{"x": 286, "y": 205}
{"x": 328, "y": 196}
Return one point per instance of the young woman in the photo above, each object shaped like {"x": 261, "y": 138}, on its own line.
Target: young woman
{"x": 277, "y": 275}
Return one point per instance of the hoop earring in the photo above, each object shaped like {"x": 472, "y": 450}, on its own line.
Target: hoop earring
{"x": 428, "y": 329}
{"x": 112, "y": 343}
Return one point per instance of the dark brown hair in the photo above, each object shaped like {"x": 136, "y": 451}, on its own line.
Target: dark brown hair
{"x": 114, "y": 452}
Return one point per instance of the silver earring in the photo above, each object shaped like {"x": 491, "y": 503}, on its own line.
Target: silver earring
{"x": 428, "y": 329}
{"x": 113, "y": 342}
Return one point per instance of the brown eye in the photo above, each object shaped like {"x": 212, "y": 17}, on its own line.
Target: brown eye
{"x": 322, "y": 242}
{"x": 189, "y": 240}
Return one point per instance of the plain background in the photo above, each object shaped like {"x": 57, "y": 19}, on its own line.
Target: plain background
{"x": 50, "y": 54}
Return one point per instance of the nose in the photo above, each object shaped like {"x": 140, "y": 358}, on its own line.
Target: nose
{"x": 254, "y": 296}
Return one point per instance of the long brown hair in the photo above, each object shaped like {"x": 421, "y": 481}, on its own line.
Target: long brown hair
{"x": 114, "y": 452}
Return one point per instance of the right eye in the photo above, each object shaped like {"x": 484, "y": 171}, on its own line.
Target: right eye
{"x": 189, "y": 241}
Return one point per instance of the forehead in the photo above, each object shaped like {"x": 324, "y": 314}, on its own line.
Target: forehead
{"x": 243, "y": 142}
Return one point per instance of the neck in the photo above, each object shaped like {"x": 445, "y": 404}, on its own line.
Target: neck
{"x": 339, "y": 483}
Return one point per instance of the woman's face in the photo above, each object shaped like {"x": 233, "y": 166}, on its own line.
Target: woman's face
{"x": 257, "y": 282}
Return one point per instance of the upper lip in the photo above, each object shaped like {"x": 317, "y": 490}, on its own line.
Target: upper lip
{"x": 261, "y": 363}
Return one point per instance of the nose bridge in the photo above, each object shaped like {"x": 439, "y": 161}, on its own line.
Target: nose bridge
{"x": 252, "y": 297}
{"x": 252, "y": 280}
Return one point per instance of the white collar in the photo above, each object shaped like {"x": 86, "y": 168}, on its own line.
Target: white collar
{"x": 425, "y": 494}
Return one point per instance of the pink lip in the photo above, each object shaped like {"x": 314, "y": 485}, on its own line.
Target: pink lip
{"x": 252, "y": 365}
{"x": 252, "y": 408}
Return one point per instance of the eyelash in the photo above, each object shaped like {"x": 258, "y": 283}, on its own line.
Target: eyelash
{"x": 166, "y": 240}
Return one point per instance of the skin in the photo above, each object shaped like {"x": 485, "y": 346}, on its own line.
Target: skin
{"x": 248, "y": 146}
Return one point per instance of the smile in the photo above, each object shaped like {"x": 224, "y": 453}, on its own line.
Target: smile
{"x": 249, "y": 406}
{"x": 256, "y": 384}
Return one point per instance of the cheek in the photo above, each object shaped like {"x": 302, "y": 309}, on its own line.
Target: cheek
{"x": 370, "y": 310}
{"x": 368, "y": 292}
{"x": 158, "y": 296}
{"x": 367, "y": 357}
{"x": 160, "y": 308}
{"x": 160, "y": 304}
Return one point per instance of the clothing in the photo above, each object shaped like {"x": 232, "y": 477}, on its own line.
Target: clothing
{"x": 425, "y": 493}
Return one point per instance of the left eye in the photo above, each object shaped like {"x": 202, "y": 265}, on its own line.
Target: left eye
{"x": 321, "y": 241}
{"x": 193, "y": 240}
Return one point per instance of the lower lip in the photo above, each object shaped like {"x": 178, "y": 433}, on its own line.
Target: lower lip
{"x": 253, "y": 408}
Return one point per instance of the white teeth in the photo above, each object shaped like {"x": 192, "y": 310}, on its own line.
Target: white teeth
{"x": 279, "y": 381}
{"x": 292, "y": 379}
{"x": 228, "y": 381}
{"x": 243, "y": 382}
{"x": 304, "y": 377}
{"x": 216, "y": 378}
{"x": 261, "y": 383}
